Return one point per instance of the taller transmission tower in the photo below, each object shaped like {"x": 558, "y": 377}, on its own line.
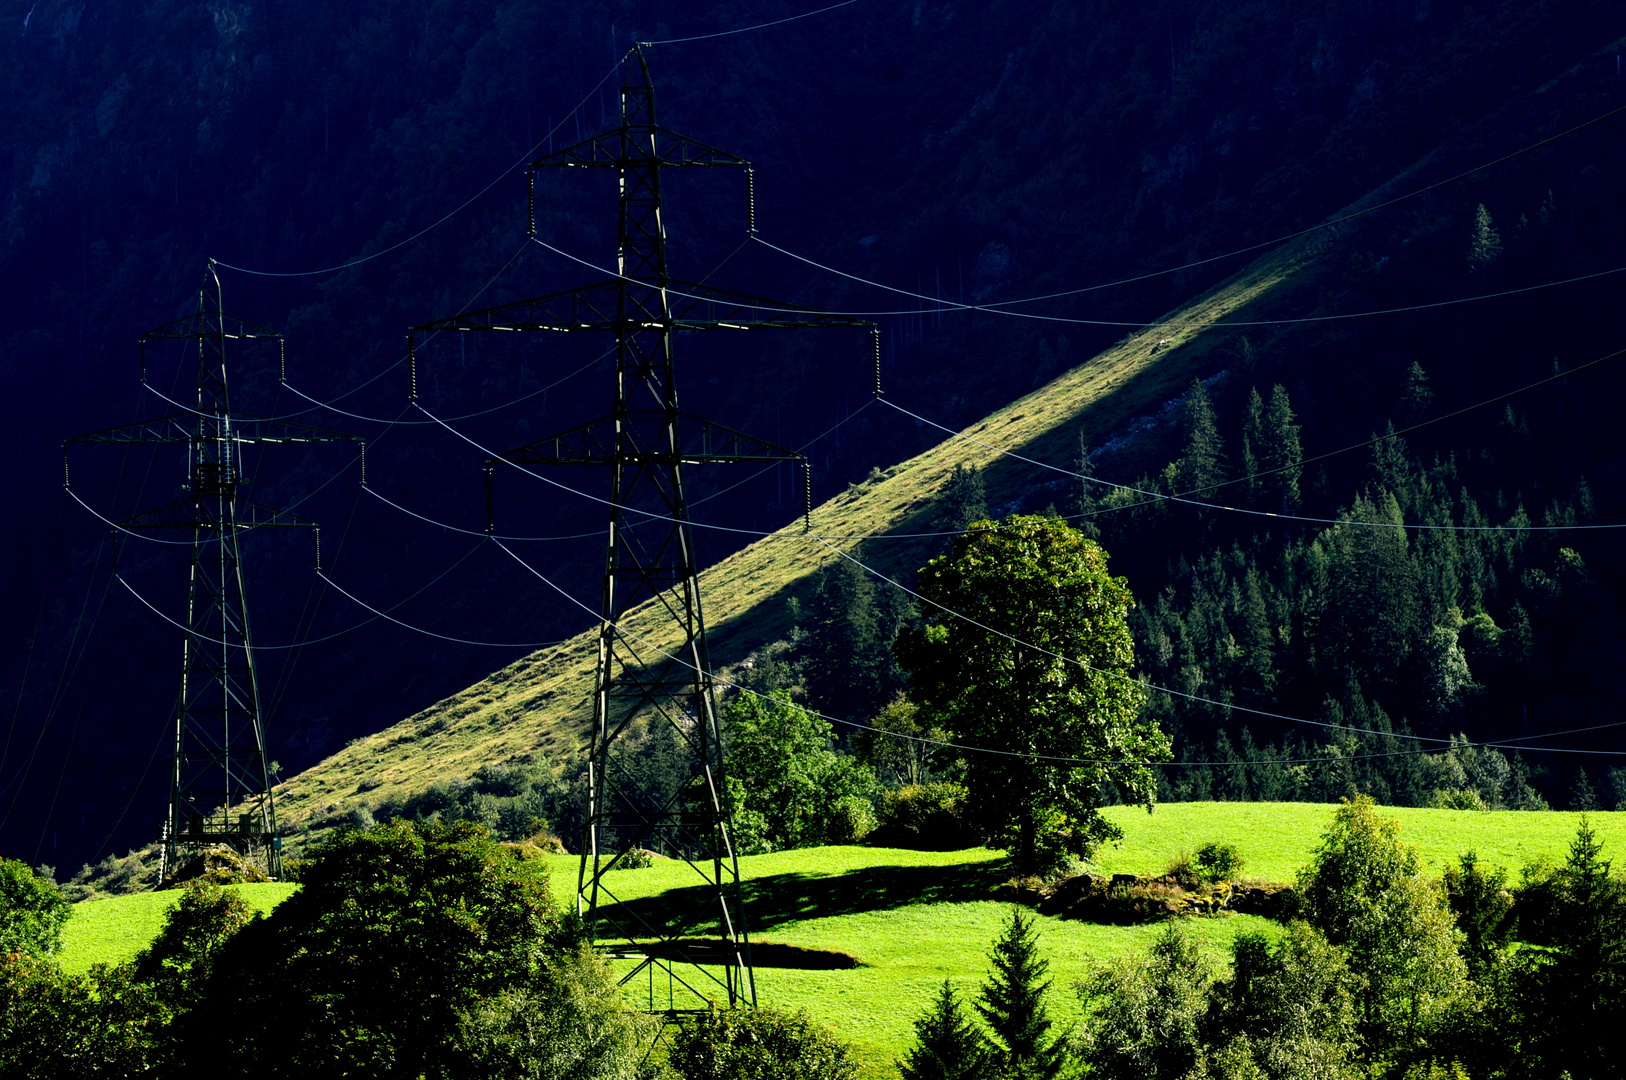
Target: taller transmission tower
{"x": 220, "y": 783}
{"x": 653, "y": 669}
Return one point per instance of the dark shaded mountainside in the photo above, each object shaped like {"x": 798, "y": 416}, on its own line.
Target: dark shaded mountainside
{"x": 975, "y": 154}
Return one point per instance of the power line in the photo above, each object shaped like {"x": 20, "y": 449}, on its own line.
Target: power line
{"x": 527, "y": 156}
{"x": 1329, "y": 224}
{"x": 1449, "y": 744}
{"x": 430, "y": 633}
{"x": 369, "y": 489}
{"x": 326, "y": 637}
{"x": 950, "y": 306}
{"x": 1153, "y": 496}
{"x": 748, "y": 29}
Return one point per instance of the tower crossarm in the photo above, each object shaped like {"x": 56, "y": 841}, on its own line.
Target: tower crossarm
{"x": 648, "y": 144}
{"x": 679, "y": 305}
{"x": 183, "y": 514}
{"x": 183, "y": 428}
{"x": 604, "y": 442}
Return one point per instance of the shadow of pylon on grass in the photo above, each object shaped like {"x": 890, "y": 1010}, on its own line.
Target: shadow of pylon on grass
{"x": 783, "y": 898}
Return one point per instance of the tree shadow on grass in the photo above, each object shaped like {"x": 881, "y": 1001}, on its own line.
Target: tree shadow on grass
{"x": 778, "y": 899}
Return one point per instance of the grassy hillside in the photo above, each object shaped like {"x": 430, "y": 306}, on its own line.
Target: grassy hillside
{"x": 541, "y": 704}
{"x": 112, "y": 931}
{"x": 912, "y": 919}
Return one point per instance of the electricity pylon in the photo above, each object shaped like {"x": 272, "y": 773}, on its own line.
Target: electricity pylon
{"x": 653, "y": 668}
{"x": 220, "y": 783}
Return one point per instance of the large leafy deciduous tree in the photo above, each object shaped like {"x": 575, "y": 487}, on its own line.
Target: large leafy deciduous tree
{"x": 786, "y": 782}
{"x": 416, "y": 951}
{"x": 1025, "y": 651}
{"x": 759, "y": 1044}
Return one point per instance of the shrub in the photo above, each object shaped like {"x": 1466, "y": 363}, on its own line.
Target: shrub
{"x": 635, "y": 859}
{"x": 32, "y": 910}
{"x": 1217, "y": 862}
{"x": 759, "y": 1044}
{"x": 1457, "y": 799}
{"x": 852, "y": 818}
{"x": 925, "y": 817}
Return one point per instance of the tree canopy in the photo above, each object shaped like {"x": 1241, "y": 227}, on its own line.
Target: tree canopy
{"x": 1025, "y": 652}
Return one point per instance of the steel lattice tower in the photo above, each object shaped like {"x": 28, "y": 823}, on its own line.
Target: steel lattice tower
{"x": 220, "y": 785}
{"x": 653, "y": 668}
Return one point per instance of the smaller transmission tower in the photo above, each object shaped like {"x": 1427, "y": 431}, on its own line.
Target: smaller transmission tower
{"x": 220, "y": 784}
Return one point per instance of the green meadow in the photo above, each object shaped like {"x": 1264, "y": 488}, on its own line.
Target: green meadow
{"x": 911, "y": 919}
{"x": 112, "y": 931}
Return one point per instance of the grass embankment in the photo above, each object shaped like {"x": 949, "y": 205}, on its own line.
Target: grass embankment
{"x": 112, "y": 931}
{"x": 911, "y": 918}
{"x": 541, "y": 704}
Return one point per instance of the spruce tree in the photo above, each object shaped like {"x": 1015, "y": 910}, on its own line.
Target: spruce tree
{"x": 1486, "y": 243}
{"x": 1253, "y": 441}
{"x": 1084, "y": 501}
{"x": 1203, "y": 465}
{"x": 1012, "y": 1003}
{"x": 1415, "y": 398}
{"x": 1281, "y": 447}
{"x": 963, "y": 500}
{"x": 948, "y": 1045}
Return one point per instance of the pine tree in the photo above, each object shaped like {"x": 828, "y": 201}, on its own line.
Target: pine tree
{"x": 1415, "y": 397}
{"x": 1203, "y": 464}
{"x": 1486, "y": 243}
{"x": 1012, "y": 1003}
{"x": 1582, "y": 797}
{"x": 963, "y": 500}
{"x": 1084, "y": 500}
{"x": 1281, "y": 447}
{"x": 948, "y": 1045}
{"x": 1253, "y": 441}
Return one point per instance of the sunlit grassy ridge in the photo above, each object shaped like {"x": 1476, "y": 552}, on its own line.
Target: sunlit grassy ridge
{"x": 541, "y": 704}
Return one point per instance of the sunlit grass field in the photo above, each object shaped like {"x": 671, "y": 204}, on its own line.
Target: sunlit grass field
{"x": 112, "y": 931}
{"x": 914, "y": 918}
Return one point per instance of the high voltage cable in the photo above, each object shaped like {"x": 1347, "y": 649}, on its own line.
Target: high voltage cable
{"x": 1173, "y": 321}
{"x": 527, "y": 156}
{"x": 312, "y": 641}
{"x": 1333, "y": 223}
{"x": 1449, "y": 743}
{"x": 430, "y": 633}
{"x": 328, "y": 405}
{"x": 783, "y": 533}
{"x": 475, "y": 532}
{"x": 1153, "y": 496}
{"x": 748, "y": 29}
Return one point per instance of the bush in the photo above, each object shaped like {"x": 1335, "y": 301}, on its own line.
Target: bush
{"x": 1217, "y": 862}
{"x": 1457, "y": 799}
{"x": 32, "y": 911}
{"x": 759, "y": 1044}
{"x": 852, "y": 818}
{"x": 925, "y": 817}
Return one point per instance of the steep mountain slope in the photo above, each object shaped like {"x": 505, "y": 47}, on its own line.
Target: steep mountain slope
{"x": 966, "y": 151}
{"x": 541, "y": 705}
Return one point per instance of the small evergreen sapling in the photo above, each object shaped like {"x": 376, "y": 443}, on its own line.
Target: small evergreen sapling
{"x": 1012, "y": 1002}
{"x": 948, "y": 1045}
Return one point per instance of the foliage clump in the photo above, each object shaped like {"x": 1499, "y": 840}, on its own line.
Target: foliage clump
{"x": 1025, "y": 651}
{"x": 33, "y": 910}
{"x": 759, "y": 1044}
